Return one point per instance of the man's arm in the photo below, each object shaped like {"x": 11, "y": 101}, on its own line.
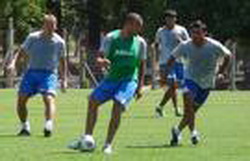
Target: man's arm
{"x": 63, "y": 73}
{"x": 18, "y": 55}
{"x": 141, "y": 79}
{"x": 224, "y": 66}
{"x": 101, "y": 60}
{"x": 226, "y": 54}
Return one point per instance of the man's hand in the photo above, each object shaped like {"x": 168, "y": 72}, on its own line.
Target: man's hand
{"x": 220, "y": 77}
{"x": 103, "y": 62}
{"x": 64, "y": 86}
{"x": 138, "y": 93}
{"x": 10, "y": 66}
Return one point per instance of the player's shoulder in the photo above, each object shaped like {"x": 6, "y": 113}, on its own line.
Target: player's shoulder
{"x": 160, "y": 29}
{"x": 180, "y": 28}
{"x": 213, "y": 42}
{"x": 35, "y": 34}
{"x": 113, "y": 34}
{"x": 58, "y": 38}
{"x": 141, "y": 40}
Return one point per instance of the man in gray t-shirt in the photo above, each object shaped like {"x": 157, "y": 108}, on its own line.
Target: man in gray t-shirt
{"x": 200, "y": 56}
{"x": 166, "y": 39}
{"x": 45, "y": 51}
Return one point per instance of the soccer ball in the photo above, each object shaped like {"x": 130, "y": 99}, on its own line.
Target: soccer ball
{"x": 87, "y": 144}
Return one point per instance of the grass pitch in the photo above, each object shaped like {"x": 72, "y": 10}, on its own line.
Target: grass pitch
{"x": 223, "y": 123}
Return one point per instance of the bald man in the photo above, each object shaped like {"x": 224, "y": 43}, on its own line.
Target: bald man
{"x": 45, "y": 52}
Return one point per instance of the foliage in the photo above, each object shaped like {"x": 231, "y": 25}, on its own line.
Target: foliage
{"x": 27, "y": 15}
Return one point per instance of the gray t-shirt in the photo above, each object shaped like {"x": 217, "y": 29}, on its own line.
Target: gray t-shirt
{"x": 168, "y": 40}
{"x": 44, "y": 53}
{"x": 200, "y": 62}
{"x": 106, "y": 43}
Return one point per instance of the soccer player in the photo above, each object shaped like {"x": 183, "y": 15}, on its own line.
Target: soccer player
{"x": 124, "y": 53}
{"x": 45, "y": 52}
{"x": 200, "y": 55}
{"x": 167, "y": 38}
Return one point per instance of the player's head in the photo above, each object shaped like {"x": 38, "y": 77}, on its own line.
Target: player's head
{"x": 198, "y": 31}
{"x": 49, "y": 23}
{"x": 170, "y": 17}
{"x": 133, "y": 23}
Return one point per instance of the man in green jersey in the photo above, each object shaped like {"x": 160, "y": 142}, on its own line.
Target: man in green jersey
{"x": 123, "y": 53}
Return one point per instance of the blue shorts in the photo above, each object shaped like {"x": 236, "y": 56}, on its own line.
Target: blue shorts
{"x": 120, "y": 91}
{"x": 38, "y": 81}
{"x": 198, "y": 94}
{"x": 176, "y": 74}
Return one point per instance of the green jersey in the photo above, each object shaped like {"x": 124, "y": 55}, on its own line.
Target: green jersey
{"x": 125, "y": 55}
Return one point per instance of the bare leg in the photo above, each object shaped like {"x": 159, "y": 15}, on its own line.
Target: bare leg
{"x": 91, "y": 116}
{"x": 50, "y": 107}
{"x": 189, "y": 114}
{"x": 22, "y": 110}
{"x": 175, "y": 99}
{"x": 114, "y": 122}
{"x": 166, "y": 97}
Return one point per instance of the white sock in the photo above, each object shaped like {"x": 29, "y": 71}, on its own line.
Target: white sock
{"x": 87, "y": 137}
{"x": 194, "y": 133}
{"x": 107, "y": 145}
{"x": 49, "y": 125}
{"x": 176, "y": 129}
{"x": 25, "y": 125}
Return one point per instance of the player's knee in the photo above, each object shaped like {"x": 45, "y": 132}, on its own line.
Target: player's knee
{"x": 22, "y": 100}
{"x": 93, "y": 104}
{"x": 48, "y": 98}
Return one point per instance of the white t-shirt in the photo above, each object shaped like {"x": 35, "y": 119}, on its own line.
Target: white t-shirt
{"x": 168, "y": 39}
{"x": 200, "y": 62}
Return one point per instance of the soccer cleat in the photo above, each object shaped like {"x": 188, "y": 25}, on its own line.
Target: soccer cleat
{"x": 159, "y": 112}
{"x": 107, "y": 149}
{"x": 47, "y": 133}
{"x": 75, "y": 145}
{"x": 24, "y": 132}
{"x": 85, "y": 144}
{"x": 195, "y": 138}
{"x": 176, "y": 137}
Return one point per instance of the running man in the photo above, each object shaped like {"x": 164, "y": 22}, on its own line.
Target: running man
{"x": 167, "y": 38}
{"x": 124, "y": 53}
{"x": 45, "y": 51}
{"x": 200, "y": 55}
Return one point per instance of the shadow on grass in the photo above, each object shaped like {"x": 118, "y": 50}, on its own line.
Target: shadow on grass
{"x": 163, "y": 146}
{"x": 68, "y": 152}
{"x": 8, "y": 136}
{"x": 139, "y": 117}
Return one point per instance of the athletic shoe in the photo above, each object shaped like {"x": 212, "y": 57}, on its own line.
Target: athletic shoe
{"x": 107, "y": 149}
{"x": 195, "y": 138}
{"x": 159, "y": 112}
{"x": 75, "y": 145}
{"x": 47, "y": 133}
{"x": 176, "y": 137}
{"x": 85, "y": 144}
{"x": 24, "y": 132}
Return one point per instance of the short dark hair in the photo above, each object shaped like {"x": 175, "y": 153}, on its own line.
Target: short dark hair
{"x": 170, "y": 13}
{"x": 132, "y": 16}
{"x": 198, "y": 24}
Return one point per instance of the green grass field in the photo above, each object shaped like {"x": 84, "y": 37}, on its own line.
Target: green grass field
{"x": 223, "y": 123}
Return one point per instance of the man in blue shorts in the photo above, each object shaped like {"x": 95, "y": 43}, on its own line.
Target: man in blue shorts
{"x": 200, "y": 56}
{"x": 45, "y": 52}
{"x": 167, "y": 38}
{"x": 124, "y": 53}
